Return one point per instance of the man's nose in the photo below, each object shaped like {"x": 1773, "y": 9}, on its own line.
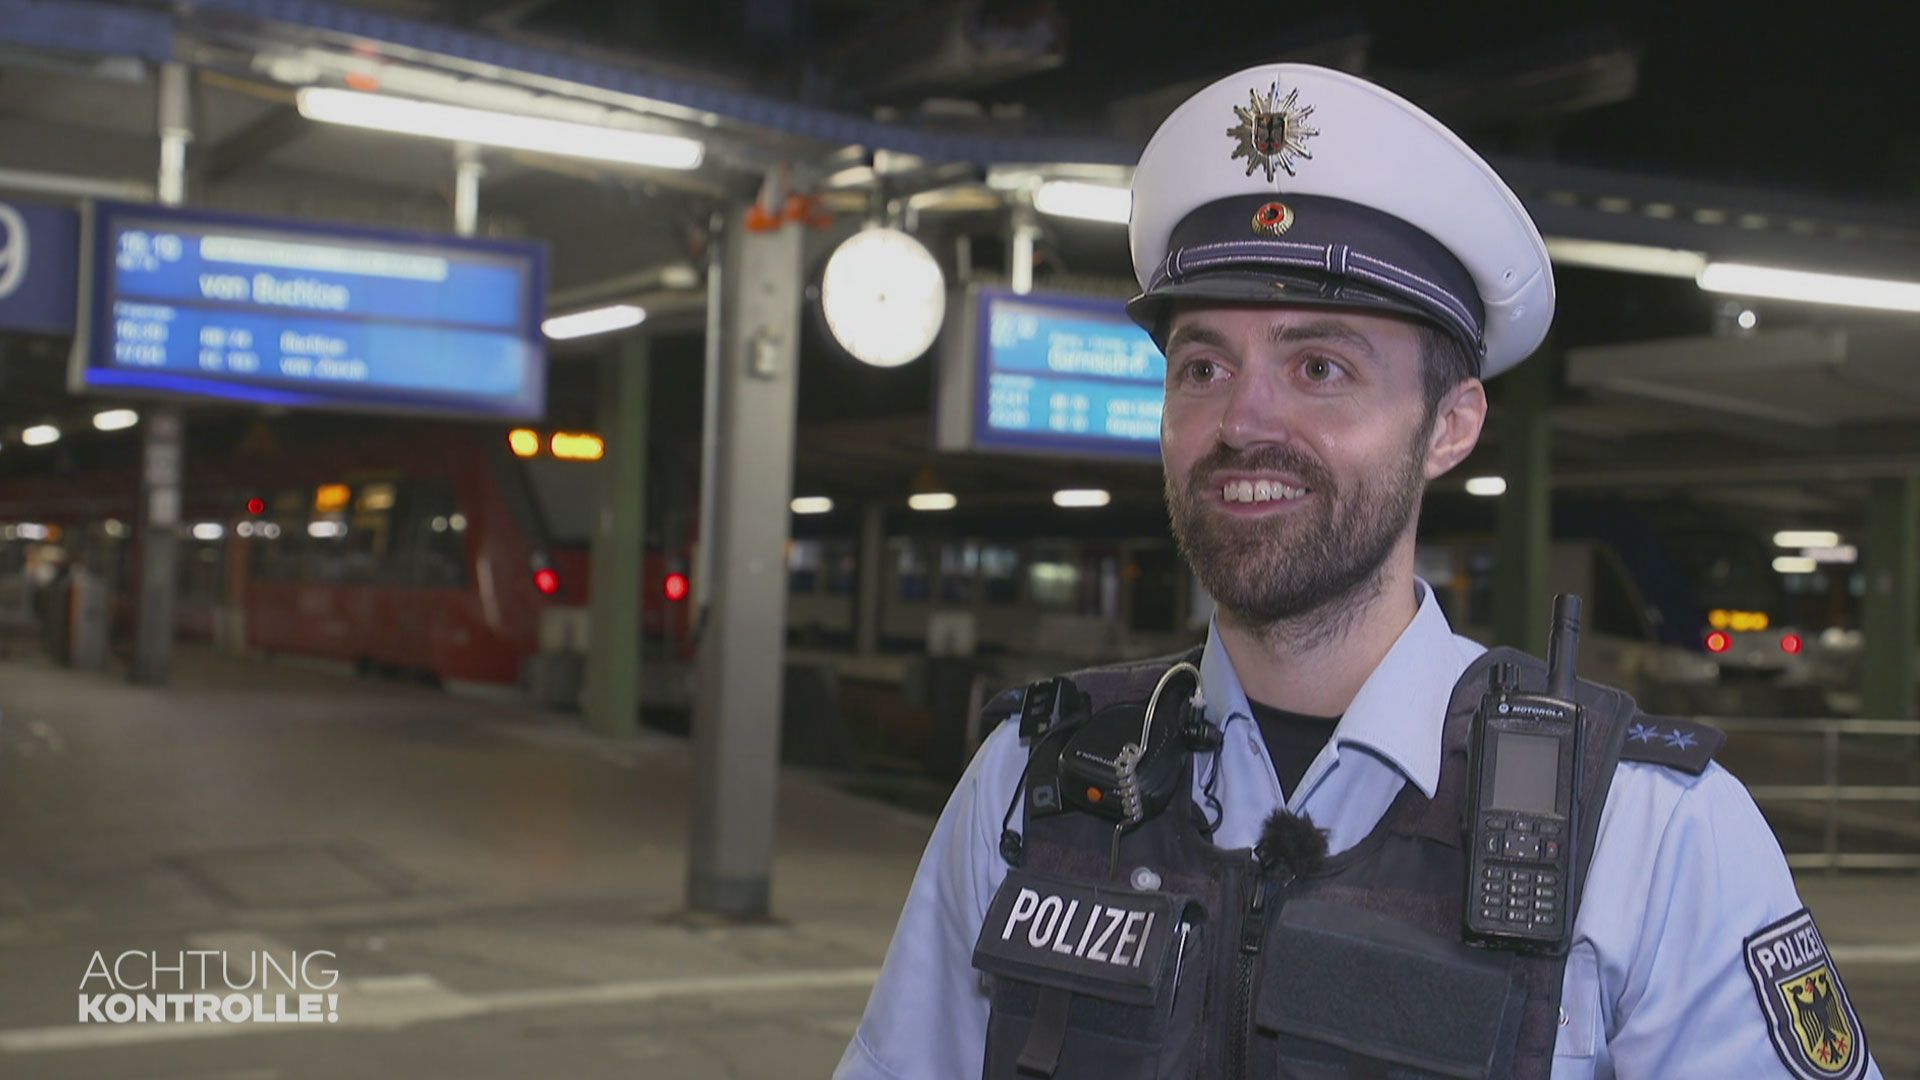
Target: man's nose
{"x": 1256, "y": 412}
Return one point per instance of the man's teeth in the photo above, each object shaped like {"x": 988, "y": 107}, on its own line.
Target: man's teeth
{"x": 1248, "y": 491}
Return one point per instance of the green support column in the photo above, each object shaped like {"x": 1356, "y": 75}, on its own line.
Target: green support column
{"x": 1888, "y": 621}
{"x": 612, "y": 691}
{"x": 1522, "y": 606}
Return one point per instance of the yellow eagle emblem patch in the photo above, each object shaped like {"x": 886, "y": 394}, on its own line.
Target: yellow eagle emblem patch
{"x": 1814, "y": 1027}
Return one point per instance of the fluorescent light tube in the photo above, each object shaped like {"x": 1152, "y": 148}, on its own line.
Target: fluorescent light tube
{"x": 811, "y": 504}
{"x": 1487, "y": 485}
{"x": 602, "y": 320}
{"x": 1079, "y": 199}
{"x": 432, "y": 120}
{"x": 1629, "y": 258}
{"x": 1741, "y": 279}
{"x": 1793, "y": 538}
{"x": 936, "y": 500}
{"x": 1074, "y": 497}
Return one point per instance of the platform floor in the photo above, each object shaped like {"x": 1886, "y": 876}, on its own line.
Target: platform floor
{"x": 501, "y": 890}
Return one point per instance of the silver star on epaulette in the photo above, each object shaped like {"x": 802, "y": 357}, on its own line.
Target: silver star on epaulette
{"x": 1680, "y": 740}
{"x": 1642, "y": 733}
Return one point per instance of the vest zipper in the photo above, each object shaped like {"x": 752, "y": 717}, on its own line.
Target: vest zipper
{"x": 1261, "y": 902}
{"x": 1253, "y": 932}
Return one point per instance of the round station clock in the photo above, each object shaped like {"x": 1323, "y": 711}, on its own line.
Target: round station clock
{"x": 883, "y": 297}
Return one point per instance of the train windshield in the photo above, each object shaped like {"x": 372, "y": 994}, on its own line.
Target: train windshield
{"x": 565, "y": 495}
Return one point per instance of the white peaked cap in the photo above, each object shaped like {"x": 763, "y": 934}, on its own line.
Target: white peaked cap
{"x": 1293, "y": 183}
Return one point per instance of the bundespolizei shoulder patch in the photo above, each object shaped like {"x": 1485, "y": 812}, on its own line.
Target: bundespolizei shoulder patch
{"x": 1808, "y": 1012}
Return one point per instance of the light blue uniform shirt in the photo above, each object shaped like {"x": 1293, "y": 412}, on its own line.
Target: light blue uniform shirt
{"x": 1656, "y": 985}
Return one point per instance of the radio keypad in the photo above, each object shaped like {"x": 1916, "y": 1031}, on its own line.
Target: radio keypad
{"x": 1521, "y": 847}
{"x": 1520, "y": 899}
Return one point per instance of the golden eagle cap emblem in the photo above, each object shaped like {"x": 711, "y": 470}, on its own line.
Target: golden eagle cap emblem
{"x": 1272, "y": 131}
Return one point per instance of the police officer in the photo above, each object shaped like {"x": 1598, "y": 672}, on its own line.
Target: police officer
{"x": 1331, "y": 274}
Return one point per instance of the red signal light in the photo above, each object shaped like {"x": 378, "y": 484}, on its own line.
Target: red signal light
{"x": 676, "y": 587}
{"x": 1791, "y": 644}
{"x": 546, "y": 581}
{"x": 256, "y": 505}
{"x": 1718, "y": 642}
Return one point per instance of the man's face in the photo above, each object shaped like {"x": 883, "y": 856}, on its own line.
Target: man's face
{"x": 1295, "y": 442}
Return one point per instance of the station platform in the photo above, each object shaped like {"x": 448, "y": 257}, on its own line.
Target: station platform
{"x": 500, "y": 891}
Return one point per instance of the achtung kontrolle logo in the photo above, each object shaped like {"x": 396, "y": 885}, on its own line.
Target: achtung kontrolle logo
{"x": 211, "y": 986}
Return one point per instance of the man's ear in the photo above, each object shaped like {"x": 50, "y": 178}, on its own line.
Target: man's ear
{"x": 1456, "y": 426}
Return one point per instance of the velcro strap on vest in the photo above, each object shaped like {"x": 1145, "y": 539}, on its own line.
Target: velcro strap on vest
{"x": 1041, "y": 1055}
{"x": 1385, "y": 991}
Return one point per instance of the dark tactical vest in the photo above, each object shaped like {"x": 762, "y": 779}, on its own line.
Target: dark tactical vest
{"x": 1189, "y": 960}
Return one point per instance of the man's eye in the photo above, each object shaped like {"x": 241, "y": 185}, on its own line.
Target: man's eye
{"x": 1320, "y": 369}
{"x": 1200, "y": 371}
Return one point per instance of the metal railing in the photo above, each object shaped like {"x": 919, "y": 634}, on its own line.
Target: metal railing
{"x": 1830, "y": 791}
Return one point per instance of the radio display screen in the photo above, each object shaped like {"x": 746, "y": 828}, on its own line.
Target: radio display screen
{"x": 1525, "y": 768}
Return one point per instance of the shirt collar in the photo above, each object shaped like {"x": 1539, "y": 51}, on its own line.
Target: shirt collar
{"x": 1398, "y": 713}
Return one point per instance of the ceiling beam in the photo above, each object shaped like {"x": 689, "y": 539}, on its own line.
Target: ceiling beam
{"x": 1544, "y": 79}
{"x": 253, "y": 144}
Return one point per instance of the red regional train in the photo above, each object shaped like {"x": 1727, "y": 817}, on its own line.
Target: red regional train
{"x": 454, "y": 553}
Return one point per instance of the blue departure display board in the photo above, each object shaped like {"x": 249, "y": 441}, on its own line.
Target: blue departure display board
{"x": 1065, "y": 374}
{"x": 188, "y": 303}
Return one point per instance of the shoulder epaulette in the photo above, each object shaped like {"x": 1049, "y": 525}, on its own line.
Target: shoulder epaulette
{"x": 1678, "y": 743}
{"x": 1001, "y": 707}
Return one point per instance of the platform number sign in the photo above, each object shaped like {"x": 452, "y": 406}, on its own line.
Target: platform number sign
{"x": 13, "y": 250}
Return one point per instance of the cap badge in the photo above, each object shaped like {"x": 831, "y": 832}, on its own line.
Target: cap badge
{"x": 1272, "y": 219}
{"x": 1272, "y": 130}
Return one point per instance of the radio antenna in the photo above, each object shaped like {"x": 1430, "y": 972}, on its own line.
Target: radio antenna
{"x": 1563, "y": 646}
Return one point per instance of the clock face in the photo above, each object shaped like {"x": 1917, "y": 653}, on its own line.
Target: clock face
{"x": 883, "y": 297}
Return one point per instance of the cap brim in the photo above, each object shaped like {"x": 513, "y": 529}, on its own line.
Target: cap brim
{"x": 1150, "y": 310}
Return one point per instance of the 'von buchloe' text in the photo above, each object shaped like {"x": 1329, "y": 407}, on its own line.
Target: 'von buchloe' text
{"x": 280, "y": 292}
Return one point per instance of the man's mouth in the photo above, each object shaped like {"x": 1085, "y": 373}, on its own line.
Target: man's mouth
{"x": 1261, "y": 491}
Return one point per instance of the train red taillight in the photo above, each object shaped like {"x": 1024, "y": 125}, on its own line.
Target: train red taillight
{"x": 676, "y": 587}
{"x": 546, "y": 580}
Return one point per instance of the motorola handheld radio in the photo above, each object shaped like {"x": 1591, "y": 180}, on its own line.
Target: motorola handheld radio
{"x": 1524, "y": 757}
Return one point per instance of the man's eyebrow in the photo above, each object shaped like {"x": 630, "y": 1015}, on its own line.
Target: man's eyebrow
{"x": 1198, "y": 335}
{"x": 1323, "y": 330}
{"x": 1331, "y": 330}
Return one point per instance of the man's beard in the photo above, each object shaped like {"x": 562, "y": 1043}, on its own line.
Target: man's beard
{"x": 1325, "y": 558}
